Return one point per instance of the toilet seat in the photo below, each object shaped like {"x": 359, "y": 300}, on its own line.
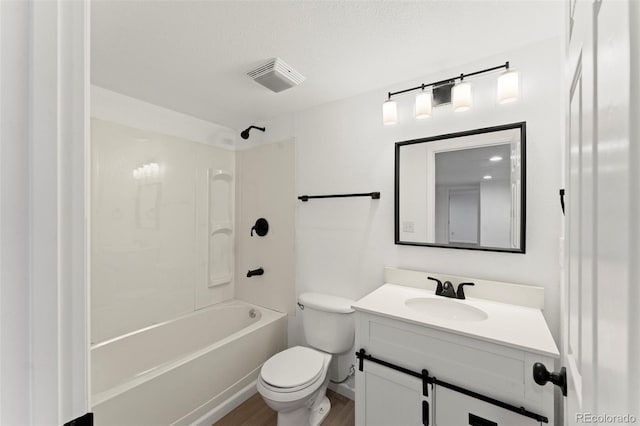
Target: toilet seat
{"x": 293, "y": 369}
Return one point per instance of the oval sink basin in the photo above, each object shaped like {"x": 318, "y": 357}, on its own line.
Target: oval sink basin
{"x": 446, "y": 309}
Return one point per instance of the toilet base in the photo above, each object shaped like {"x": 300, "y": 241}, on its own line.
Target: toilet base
{"x": 320, "y": 412}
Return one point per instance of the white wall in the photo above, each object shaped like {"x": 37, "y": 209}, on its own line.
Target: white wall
{"x": 118, "y": 108}
{"x": 343, "y": 244}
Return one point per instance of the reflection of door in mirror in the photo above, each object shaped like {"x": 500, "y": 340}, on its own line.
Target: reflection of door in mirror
{"x": 464, "y": 215}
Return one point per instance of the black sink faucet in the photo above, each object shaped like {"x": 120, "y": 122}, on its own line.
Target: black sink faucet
{"x": 460, "y": 292}
{"x": 447, "y": 289}
{"x": 439, "y": 287}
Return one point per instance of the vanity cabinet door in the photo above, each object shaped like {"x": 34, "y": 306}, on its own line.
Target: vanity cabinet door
{"x": 456, "y": 409}
{"x": 386, "y": 397}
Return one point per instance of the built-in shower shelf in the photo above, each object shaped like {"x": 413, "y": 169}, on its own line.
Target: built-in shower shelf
{"x": 219, "y": 280}
{"x": 221, "y": 228}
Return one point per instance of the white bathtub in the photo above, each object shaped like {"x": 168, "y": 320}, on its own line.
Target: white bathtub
{"x": 178, "y": 371}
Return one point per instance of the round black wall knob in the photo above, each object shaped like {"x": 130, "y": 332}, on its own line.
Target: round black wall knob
{"x": 261, "y": 227}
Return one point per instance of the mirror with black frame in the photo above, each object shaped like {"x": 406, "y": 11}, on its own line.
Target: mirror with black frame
{"x": 463, "y": 190}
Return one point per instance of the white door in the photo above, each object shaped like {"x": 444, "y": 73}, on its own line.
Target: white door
{"x": 598, "y": 309}
{"x": 464, "y": 211}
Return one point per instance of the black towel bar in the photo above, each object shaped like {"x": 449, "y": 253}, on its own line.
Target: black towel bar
{"x": 373, "y": 195}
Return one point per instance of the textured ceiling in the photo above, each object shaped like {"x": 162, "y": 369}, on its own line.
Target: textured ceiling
{"x": 192, "y": 56}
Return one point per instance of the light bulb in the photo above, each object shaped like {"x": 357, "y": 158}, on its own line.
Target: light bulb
{"x": 423, "y": 104}
{"x": 389, "y": 112}
{"x": 508, "y": 90}
{"x": 487, "y": 177}
{"x": 461, "y": 97}
{"x": 495, "y": 158}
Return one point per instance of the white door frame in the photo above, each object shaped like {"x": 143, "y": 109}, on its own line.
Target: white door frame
{"x": 45, "y": 137}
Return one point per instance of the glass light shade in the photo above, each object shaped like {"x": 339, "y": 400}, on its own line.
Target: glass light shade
{"x": 461, "y": 97}
{"x": 423, "y": 104}
{"x": 389, "y": 112}
{"x": 508, "y": 90}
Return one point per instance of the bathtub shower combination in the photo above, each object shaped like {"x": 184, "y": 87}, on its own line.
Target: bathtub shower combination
{"x": 170, "y": 343}
{"x": 178, "y": 371}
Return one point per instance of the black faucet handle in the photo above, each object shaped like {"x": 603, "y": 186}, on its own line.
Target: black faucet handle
{"x": 439, "y": 287}
{"x": 460, "y": 292}
{"x": 448, "y": 290}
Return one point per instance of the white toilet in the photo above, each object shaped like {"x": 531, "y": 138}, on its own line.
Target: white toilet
{"x": 294, "y": 381}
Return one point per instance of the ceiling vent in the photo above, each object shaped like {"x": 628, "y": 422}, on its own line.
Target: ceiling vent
{"x": 276, "y": 75}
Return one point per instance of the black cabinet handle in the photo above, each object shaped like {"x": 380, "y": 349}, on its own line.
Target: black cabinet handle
{"x": 425, "y": 413}
{"x": 541, "y": 376}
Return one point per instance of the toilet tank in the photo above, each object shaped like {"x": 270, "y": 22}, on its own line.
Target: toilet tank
{"x": 328, "y": 322}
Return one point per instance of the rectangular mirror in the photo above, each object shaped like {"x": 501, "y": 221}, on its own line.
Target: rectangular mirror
{"x": 463, "y": 190}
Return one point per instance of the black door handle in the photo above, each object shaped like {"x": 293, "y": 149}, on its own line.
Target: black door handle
{"x": 541, "y": 376}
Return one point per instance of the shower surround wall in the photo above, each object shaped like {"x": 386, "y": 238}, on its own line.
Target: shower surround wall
{"x": 162, "y": 222}
{"x": 265, "y": 187}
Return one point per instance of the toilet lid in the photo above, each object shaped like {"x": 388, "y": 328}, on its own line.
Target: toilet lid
{"x": 293, "y": 367}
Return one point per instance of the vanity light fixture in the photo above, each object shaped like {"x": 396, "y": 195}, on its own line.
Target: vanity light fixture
{"x": 424, "y": 102}
{"x": 461, "y": 97}
{"x": 389, "y": 112}
{"x": 508, "y": 87}
{"x": 495, "y": 158}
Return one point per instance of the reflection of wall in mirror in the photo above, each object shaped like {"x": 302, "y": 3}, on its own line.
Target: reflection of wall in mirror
{"x": 413, "y": 203}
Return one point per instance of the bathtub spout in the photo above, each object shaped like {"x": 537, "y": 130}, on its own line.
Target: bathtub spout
{"x": 258, "y": 271}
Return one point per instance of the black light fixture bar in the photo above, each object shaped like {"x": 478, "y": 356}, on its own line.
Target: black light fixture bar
{"x": 450, "y": 80}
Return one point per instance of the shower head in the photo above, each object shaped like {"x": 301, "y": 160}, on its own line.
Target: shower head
{"x": 245, "y": 132}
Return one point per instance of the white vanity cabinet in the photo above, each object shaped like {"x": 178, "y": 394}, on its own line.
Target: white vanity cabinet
{"x": 388, "y": 397}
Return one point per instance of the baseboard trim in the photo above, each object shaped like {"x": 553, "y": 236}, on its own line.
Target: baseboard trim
{"x": 343, "y": 389}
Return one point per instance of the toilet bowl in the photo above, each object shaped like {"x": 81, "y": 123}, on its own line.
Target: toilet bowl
{"x": 294, "y": 381}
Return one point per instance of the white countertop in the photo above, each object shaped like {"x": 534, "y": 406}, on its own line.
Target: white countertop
{"x": 508, "y": 325}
